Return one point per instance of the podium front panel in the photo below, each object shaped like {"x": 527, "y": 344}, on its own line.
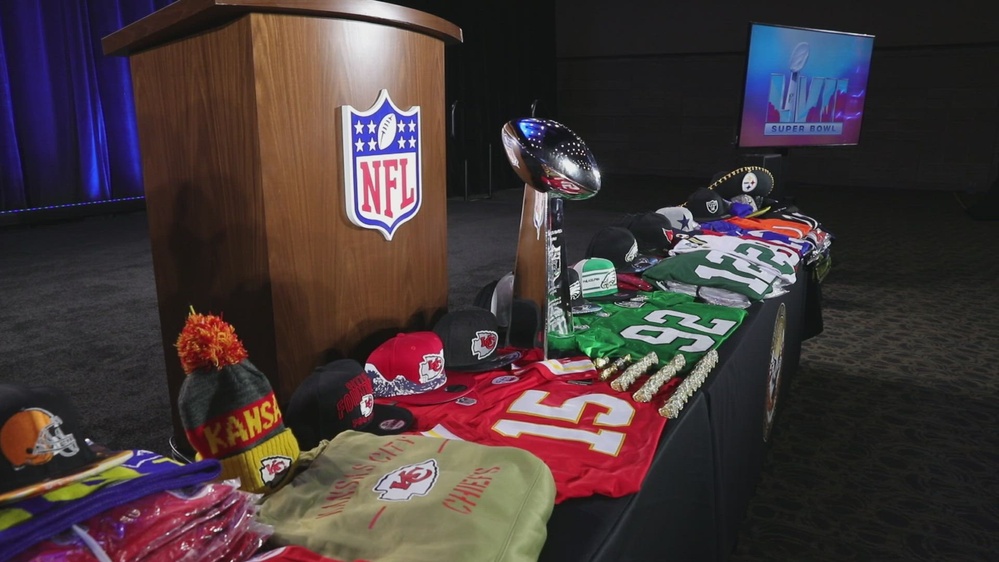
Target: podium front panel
{"x": 337, "y": 285}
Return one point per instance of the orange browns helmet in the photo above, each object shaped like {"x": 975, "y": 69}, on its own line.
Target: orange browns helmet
{"x": 32, "y": 436}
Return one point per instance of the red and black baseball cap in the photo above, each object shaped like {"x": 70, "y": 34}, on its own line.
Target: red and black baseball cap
{"x": 653, "y": 233}
{"x": 409, "y": 368}
{"x": 336, "y": 397}
{"x": 43, "y": 444}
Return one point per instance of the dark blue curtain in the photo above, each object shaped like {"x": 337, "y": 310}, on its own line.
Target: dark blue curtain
{"x": 67, "y": 121}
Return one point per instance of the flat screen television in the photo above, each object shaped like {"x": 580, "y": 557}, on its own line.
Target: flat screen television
{"x": 803, "y": 87}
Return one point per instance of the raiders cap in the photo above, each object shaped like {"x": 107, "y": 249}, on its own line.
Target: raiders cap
{"x": 707, "y": 205}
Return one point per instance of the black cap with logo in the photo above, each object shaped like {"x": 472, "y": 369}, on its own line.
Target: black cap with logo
{"x": 336, "y": 397}
{"x": 471, "y": 341}
{"x": 707, "y": 205}
{"x": 43, "y": 443}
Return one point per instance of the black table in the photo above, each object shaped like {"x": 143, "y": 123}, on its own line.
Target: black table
{"x": 737, "y": 396}
{"x": 708, "y": 461}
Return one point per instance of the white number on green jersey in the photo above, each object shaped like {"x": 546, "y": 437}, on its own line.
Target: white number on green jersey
{"x": 660, "y": 333}
{"x": 754, "y": 277}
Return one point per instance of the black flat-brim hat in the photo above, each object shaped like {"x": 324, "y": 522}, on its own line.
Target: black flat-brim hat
{"x": 653, "y": 233}
{"x": 707, "y": 205}
{"x": 618, "y": 244}
{"x": 336, "y": 397}
{"x": 471, "y": 341}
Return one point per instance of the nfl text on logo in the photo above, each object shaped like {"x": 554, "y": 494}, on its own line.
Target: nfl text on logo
{"x": 382, "y": 165}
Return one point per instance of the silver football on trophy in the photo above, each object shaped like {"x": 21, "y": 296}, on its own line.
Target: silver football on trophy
{"x": 551, "y": 158}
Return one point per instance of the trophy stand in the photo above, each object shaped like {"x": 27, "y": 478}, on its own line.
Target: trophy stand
{"x": 558, "y": 312}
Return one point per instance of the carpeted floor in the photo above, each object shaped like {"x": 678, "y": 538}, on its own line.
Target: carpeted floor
{"x": 886, "y": 447}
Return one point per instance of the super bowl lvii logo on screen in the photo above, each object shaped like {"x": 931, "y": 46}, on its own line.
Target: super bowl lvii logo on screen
{"x": 805, "y": 105}
{"x": 382, "y": 165}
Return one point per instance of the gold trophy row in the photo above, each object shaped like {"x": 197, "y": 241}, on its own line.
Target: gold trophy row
{"x": 671, "y": 408}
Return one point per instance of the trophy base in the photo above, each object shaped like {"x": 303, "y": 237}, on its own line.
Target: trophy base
{"x": 562, "y": 346}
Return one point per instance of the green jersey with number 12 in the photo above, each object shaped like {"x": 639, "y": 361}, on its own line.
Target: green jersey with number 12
{"x": 769, "y": 257}
{"x": 711, "y": 268}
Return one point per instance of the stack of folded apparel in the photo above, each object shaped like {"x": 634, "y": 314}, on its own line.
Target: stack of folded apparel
{"x": 62, "y": 498}
{"x": 211, "y": 521}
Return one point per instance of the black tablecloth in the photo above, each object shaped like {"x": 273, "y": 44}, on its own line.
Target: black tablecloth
{"x": 672, "y": 517}
{"x": 707, "y": 463}
{"x": 737, "y": 403}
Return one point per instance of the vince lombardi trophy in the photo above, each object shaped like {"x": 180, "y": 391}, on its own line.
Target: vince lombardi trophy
{"x": 555, "y": 165}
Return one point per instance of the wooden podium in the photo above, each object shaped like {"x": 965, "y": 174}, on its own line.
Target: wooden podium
{"x": 238, "y": 104}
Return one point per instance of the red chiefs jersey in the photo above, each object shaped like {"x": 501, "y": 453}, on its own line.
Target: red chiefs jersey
{"x": 594, "y": 439}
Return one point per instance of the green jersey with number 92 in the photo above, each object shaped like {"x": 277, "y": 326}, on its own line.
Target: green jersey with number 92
{"x": 667, "y": 323}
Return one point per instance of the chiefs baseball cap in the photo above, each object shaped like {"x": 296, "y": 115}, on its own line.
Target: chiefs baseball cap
{"x": 43, "y": 444}
{"x": 471, "y": 340}
{"x": 618, "y": 244}
{"x": 707, "y": 205}
{"x": 409, "y": 368}
{"x": 336, "y": 397}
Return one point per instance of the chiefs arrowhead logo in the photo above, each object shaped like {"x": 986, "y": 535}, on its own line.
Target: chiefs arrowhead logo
{"x": 431, "y": 367}
{"x": 484, "y": 343}
{"x": 367, "y": 405}
{"x": 408, "y": 481}
{"x": 271, "y": 468}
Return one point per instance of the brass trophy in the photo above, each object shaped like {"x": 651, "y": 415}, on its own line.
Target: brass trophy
{"x": 555, "y": 165}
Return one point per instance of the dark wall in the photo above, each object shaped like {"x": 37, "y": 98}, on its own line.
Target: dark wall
{"x": 654, "y": 88}
{"x": 643, "y": 27}
{"x": 506, "y": 62}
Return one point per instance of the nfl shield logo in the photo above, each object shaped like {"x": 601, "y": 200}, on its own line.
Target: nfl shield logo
{"x": 382, "y": 165}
